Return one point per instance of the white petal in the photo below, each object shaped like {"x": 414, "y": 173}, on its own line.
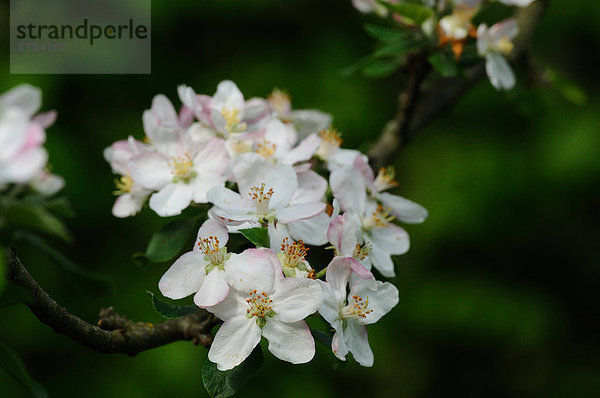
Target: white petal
{"x": 202, "y": 184}
{"x": 311, "y": 188}
{"x": 338, "y": 273}
{"x": 304, "y": 151}
{"x": 277, "y": 233}
{"x": 214, "y": 289}
{"x": 348, "y": 187}
{"x": 310, "y": 121}
{"x": 499, "y": 71}
{"x": 150, "y": 170}
{"x": 213, "y": 158}
{"x": 338, "y": 343}
{"x": 330, "y": 309}
{"x": 233, "y": 306}
{"x": 25, "y": 166}
{"x": 212, "y": 228}
{"x": 296, "y": 298}
{"x": 299, "y": 212}
{"x": 357, "y": 341}
{"x": 171, "y": 200}
{"x": 24, "y": 96}
{"x": 381, "y": 300}
{"x": 249, "y": 170}
{"x": 249, "y": 270}
{"x": 129, "y": 204}
{"x": 184, "y": 277}
{"x": 228, "y": 96}
{"x": 312, "y": 231}
{"x": 234, "y": 342}
{"x": 228, "y": 200}
{"x": 342, "y": 233}
{"x": 14, "y": 125}
{"x": 405, "y": 210}
{"x": 282, "y": 178}
{"x": 291, "y": 342}
{"x": 381, "y": 260}
{"x": 392, "y": 239}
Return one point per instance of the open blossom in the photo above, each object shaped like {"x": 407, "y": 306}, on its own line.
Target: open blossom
{"x": 183, "y": 176}
{"x": 348, "y": 313}
{"x": 265, "y": 195}
{"x": 209, "y": 270}
{"x": 331, "y": 152}
{"x": 273, "y": 308}
{"x": 494, "y": 43}
{"x": 22, "y": 157}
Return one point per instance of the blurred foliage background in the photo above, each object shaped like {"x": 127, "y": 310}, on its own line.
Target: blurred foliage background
{"x": 498, "y": 293}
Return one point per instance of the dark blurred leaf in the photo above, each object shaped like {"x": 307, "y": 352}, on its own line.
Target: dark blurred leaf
{"x": 220, "y": 384}
{"x": 384, "y": 33}
{"x": 357, "y": 66}
{"x": 169, "y": 240}
{"x": 322, "y": 337}
{"x": 170, "y": 311}
{"x": 3, "y": 264}
{"x": 415, "y": 12}
{"x": 91, "y": 283}
{"x": 33, "y": 216}
{"x": 61, "y": 207}
{"x": 398, "y": 47}
{"x": 258, "y": 236}
{"x": 568, "y": 89}
{"x": 444, "y": 64}
{"x": 14, "y": 367}
{"x": 382, "y": 67}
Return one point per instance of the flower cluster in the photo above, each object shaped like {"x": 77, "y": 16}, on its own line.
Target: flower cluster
{"x": 268, "y": 155}
{"x": 23, "y": 160}
{"x": 451, "y": 22}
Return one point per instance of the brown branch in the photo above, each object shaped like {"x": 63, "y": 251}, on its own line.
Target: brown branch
{"x": 114, "y": 333}
{"x": 417, "y": 106}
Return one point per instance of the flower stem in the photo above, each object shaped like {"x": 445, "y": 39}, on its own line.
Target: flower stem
{"x": 321, "y": 273}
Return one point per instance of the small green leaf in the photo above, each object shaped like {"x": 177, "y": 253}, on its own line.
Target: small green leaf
{"x": 398, "y": 47}
{"x": 358, "y": 65}
{"x": 61, "y": 207}
{"x": 382, "y": 67}
{"x": 14, "y": 367}
{"x": 445, "y": 65}
{"x": 170, "y": 311}
{"x": 258, "y": 236}
{"x": 415, "y": 12}
{"x": 221, "y": 384}
{"x": 384, "y": 33}
{"x": 169, "y": 240}
{"x": 33, "y": 216}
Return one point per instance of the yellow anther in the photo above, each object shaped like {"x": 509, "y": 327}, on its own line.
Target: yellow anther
{"x": 124, "y": 185}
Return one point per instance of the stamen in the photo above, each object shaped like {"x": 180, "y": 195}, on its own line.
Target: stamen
{"x": 361, "y": 252}
{"x": 266, "y": 149}
{"x": 261, "y": 198}
{"x": 232, "y": 120}
{"x": 124, "y": 185}
{"x": 260, "y": 307}
{"x": 356, "y": 308}
{"x": 385, "y": 178}
{"x": 504, "y": 45}
{"x": 214, "y": 254}
{"x": 331, "y": 139}
{"x": 380, "y": 218}
{"x": 182, "y": 168}
{"x": 280, "y": 101}
{"x": 293, "y": 253}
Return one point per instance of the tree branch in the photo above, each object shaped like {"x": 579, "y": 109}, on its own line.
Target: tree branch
{"x": 417, "y": 106}
{"x": 114, "y": 333}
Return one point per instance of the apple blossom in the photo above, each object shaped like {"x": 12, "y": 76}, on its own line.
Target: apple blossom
{"x": 274, "y": 308}
{"x": 349, "y": 313}
{"x": 209, "y": 270}
{"x": 494, "y": 43}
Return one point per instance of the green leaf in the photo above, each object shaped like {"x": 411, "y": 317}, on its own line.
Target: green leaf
{"x": 220, "y": 384}
{"x": 90, "y": 283}
{"x": 169, "y": 240}
{"x": 568, "y": 89}
{"x": 358, "y": 65}
{"x": 415, "y": 12}
{"x": 445, "y": 65}
{"x": 3, "y": 265}
{"x": 398, "y": 47}
{"x": 61, "y": 207}
{"x": 258, "y": 236}
{"x": 14, "y": 367}
{"x": 382, "y": 67}
{"x": 33, "y": 216}
{"x": 384, "y": 33}
{"x": 170, "y": 311}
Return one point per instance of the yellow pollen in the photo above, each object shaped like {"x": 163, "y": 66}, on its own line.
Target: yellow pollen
{"x": 181, "y": 165}
{"x": 124, "y": 185}
{"x": 232, "y": 120}
{"x": 380, "y": 218}
{"x": 331, "y": 136}
{"x": 295, "y": 252}
{"x": 266, "y": 149}
{"x": 385, "y": 178}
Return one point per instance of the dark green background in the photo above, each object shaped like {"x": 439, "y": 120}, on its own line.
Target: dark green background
{"x": 498, "y": 293}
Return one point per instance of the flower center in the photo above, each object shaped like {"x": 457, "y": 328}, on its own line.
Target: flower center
{"x": 261, "y": 198}
{"x": 356, "y": 308}
{"x": 293, "y": 253}
{"x": 124, "y": 185}
{"x": 361, "y": 252}
{"x": 380, "y": 218}
{"x": 260, "y": 307}
{"x": 212, "y": 253}
{"x": 331, "y": 139}
{"x": 266, "y": 149}
{"x": 504, "y": 45}
{"x": 385, "y": 179}
{"x": 182, "y": 168}
{"x": 280, "y": 101}
{"x": 232, "y": 120}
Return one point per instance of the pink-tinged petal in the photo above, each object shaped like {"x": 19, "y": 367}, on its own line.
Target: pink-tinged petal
{"x": 310, "y": 121}
{"x": 24, "y": 96}
{"x": 213, "y": 158}
{"x": 214, "y": 289}
{"x": 382, "y": 261}
{"x": 129, "y": 204}
{"x": 344, "y": 159}
{"x": 13, "y": 132}
{"x": 234, "y": 342}
{"x": 150, "y": 170}
{"x": 507, "y": 29}
{"x": 381, "y": 299}
{"x": 35, "y": 136}
{"x": 256, "y": 113}
{"x": 171, "y": 200}
{"x": 211, "y": 228}
{"x": 338, "y": 273}
{"x": 311, "y": 188}
{"x": 299, "y": 212}
{"x": 349, "y": 189}
{"x": 330, "y": 309}
{"x": 45, "y": 119}
{"x": 338, "y": 344}
{"x": 357, "y": 341}
{"x": 24, "y": 167}
{"x": 290, "y": 342}
{"x": 342, "y": 233}
{"x": 361, "y": 275}
{"x": 228, "y": 200}
{"x": 184, "y": 277}
{"x": 312, "y": 231}
{"x": 228, "y": 96}
{"x": 163, "y": 111}
{"x": 296, "y": 298}
{"x": 391, "y": 239}
{"x": 118, "y": 155}
{"x": 405, "y": 210}
{"x": 361, "y": 164}
{"x": 279, "y": 134}
{"x": 304, "y": 151}
{"x": 187, "y": 96}
{"x": 249, "y": 270}
{"x": 202, "y": 184}
{"x": 250, "y": 169}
